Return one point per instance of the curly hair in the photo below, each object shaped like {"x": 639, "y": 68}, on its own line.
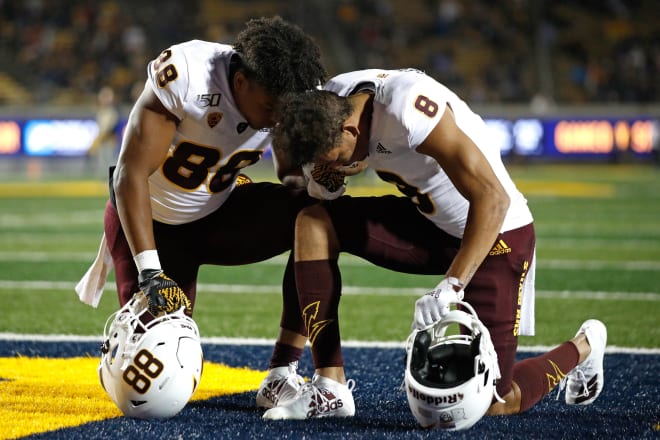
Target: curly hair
{"x": 279, "y": 56}
{"x": 310, "y": 124}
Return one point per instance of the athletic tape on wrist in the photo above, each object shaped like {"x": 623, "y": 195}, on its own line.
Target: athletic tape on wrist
{"x": 455, "y": 282}
{"x": 147, "y": 260}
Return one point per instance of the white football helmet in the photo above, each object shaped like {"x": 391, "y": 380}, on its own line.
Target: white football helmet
{"x": 150, "y": 371}
{"x": 450, "y": 379}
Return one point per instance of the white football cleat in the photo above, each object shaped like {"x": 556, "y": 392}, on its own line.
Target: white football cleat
{"x": 585, "y": 382}
{"x": 323, "y": 397}
{"x": 279, "y": 386}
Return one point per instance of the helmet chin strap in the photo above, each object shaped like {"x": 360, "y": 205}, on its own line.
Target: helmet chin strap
{"x": 486, "y": 347}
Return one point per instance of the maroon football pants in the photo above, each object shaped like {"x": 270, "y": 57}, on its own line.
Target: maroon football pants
{"x": 255, "y": 223}
{"x": 390, "y": 232}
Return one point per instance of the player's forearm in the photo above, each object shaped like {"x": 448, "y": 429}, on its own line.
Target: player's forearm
{"x": 484, "y": 222}
{"x": 148, "y": 135}
{"x": 134, "y": 209}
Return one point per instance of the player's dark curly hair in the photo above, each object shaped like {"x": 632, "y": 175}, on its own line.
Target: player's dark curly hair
{"x": 310, "y": 124}
{"x": 279, "y": 56}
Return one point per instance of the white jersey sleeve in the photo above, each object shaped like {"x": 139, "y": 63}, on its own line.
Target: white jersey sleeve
{"x": 168, "y": 78}
{"x": 401, "y": 101}
{"x": 419, "y": 113}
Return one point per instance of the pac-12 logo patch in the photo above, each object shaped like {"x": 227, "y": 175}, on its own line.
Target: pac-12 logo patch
{"x": 214, "y": 118}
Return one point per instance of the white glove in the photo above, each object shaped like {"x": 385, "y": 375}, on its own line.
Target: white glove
{"x": 434, "y": 305}
{"x": 323, "y": 182}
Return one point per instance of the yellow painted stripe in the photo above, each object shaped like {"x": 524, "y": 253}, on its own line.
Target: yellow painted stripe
{"x": 54, "y": 189}
{"x": 43, "y": 394}
{"x": 565, "y": 189}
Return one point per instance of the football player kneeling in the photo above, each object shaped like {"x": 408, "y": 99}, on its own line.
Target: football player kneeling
{"x": 150, "y": 371}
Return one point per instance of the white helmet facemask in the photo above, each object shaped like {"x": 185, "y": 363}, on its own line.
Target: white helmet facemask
{"x": 150, "y": 371}
{"x": 450, "y": 379}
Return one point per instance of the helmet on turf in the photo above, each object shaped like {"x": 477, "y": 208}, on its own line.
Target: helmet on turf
{"x": 450, "y": 379}
{"x": 150, "y": 371}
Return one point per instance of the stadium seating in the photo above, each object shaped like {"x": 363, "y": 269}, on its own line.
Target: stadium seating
{"x": 488, "y": 51}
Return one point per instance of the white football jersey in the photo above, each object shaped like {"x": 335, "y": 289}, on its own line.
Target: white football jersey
{"x": 408, "y": 104}
{"x": 213, "y": 140}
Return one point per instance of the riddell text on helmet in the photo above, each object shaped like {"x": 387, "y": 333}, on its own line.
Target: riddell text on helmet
{"x": 440, "y": 401}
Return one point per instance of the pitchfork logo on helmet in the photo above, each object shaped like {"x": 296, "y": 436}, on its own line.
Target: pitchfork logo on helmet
{"x": 450, "y": 379}
{"x": 150, "y": 371}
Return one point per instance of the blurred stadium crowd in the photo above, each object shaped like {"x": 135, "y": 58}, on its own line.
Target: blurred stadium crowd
{"x": 489, "y": 51}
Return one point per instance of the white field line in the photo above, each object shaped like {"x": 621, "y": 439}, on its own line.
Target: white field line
{"x": 346, "y": 260}
{"x": 596, "y": 243}
{"x": 270, "y": 342}
{"x": 347, "y": 290}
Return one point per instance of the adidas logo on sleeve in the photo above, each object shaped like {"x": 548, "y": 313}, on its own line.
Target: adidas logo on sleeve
{"x": 380, "y": 148}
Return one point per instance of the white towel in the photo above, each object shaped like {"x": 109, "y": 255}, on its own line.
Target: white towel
{"x": 90, "y": 287}
{"x": 527, "y": 319}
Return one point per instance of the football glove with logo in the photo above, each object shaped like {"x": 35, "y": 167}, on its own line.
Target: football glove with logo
{"x": 431, "y": 307}
{"x": 323, "y": 182}
{"x": 163, "y": 294}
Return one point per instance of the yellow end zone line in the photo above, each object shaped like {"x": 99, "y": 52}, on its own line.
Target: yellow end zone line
{"x": 88, "y": 188}
{"x": 54, "y": 189}
{"x": 565, "y": 189}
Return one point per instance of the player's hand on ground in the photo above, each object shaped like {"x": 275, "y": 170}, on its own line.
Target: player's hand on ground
{"x": 163, "y": 294}
{"x": 434, "y": 305}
